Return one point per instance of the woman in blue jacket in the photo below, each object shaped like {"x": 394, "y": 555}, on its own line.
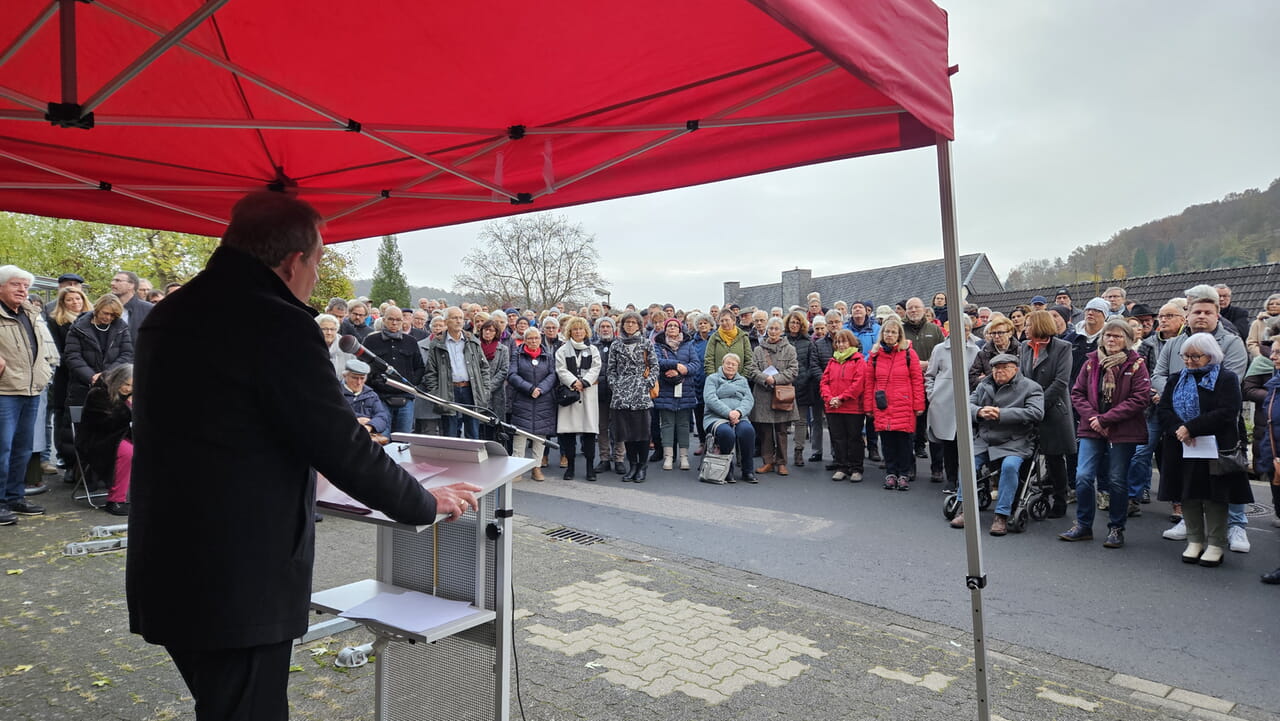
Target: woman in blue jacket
{"x": 677, "y": 375}
{"x": 729, "y": 402}
{"x": 533, "y": 406}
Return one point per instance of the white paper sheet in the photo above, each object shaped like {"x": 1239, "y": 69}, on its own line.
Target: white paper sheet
{"x": 410, "y": 610}
{"x": 1205, "y": 447}
{"x": 770, "y": 371}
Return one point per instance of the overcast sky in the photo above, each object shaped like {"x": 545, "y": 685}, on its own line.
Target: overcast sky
{"x": 1074, "y": 120}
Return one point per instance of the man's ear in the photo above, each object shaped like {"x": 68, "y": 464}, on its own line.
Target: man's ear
{"x": 289, "y": 266}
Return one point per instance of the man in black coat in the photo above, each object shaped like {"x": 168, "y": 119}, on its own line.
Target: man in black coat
{"x": 399, "y": 349}
{"x": 222, "y": 530}
{"x": 1239, "y": 318}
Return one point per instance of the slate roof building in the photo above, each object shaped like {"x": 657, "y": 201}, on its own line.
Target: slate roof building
{"x": 1250, "y": 285}
{"x": 882, "y": 286}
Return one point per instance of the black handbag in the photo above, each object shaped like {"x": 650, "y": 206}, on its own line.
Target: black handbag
{"x": 566, "y": 396}
{"x": 1230, "y": 462}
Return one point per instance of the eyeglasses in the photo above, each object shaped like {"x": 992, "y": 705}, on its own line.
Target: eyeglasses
{"x": 1116, "y": 336}
{"x": 1170, "y": 315}
{"x": 1193, "y": 356}
{"x": 997, "y": 332}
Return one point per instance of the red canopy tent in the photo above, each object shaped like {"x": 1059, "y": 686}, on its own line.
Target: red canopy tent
{"x": 397, "y": 115}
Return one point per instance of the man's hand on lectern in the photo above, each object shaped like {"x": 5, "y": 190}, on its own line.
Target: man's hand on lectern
{"x": 455, "y": 499}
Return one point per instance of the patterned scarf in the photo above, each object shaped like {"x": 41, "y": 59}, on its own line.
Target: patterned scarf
{"x": 1186, "y": 399}
{"x": 1110, "y": 366}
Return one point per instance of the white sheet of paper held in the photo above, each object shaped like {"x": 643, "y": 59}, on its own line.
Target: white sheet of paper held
{"x": 1205, "y": 447}
{"x": 410, "y": 610}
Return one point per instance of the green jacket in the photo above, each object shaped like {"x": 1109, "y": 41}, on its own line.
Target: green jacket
{"x": 717, "y": 349}
{"x": 439, "y": 378}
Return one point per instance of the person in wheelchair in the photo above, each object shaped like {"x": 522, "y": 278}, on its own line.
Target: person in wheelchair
{"x": 1004, "y": 408}
{"x": 364, "y": 402}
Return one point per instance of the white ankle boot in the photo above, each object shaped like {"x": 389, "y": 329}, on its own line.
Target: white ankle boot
{"x": 667, "y": 455}
{"x": 684, "y": 459}
{"x": 1192, "y": 554}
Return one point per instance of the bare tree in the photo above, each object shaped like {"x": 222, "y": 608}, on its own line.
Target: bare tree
{"x": 532, "y": 261}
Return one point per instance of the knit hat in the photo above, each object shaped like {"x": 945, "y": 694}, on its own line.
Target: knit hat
{"x": 1099, "y": 305}
{"x": 883, "y": 312}
{"x": 1063, "y": 311}
{"x": 675, "y": 321}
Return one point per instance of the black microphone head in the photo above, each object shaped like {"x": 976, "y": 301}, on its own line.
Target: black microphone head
{"x": 348, "y": 343}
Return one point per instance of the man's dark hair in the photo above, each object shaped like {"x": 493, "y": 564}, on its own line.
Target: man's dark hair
{"x": 168, "y": 287}
{"x": 336, "y": 303}
{"x": 132, "y": 276}
{"x": 270, "y": 225}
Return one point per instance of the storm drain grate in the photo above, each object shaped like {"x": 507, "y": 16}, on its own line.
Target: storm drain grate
{"x": 1255, "y": 510}
{"x": 573, "y": 536}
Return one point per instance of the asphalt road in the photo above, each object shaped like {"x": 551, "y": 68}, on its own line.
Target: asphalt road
{"x": 1137, "y": 610}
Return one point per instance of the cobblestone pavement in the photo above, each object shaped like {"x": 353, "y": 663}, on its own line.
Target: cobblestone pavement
{"x": 607, "y": 631}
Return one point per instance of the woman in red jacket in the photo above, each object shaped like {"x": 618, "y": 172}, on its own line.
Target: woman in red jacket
{"x": 897, "y": 397}
{"x": 844, "y": 398}
{"x": 1110, "y": 395}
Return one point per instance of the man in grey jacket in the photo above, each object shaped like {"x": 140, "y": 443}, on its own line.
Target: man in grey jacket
{"x": 1203, "y": 317}
{"x": 457, "y": 371}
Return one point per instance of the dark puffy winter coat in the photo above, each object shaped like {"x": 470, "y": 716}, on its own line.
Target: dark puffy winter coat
{"x": 808, "y": 377}
{"x": 1269, "y": 429}
{"x": 897, "y": 372}
{"x": 368, "y": 405}
{"x": 667, "y": 361}
{"x": 700, "y": 356}
{"x": 1125, "y": 421}
{"x": 535, "y": 415}
{"x": 1053, "y": 373}
{"x": 85, "y": 357}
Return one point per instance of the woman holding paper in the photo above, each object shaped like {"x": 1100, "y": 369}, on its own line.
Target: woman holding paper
{"x": 1198, "y": 410}
{"x": 776, "y": 366}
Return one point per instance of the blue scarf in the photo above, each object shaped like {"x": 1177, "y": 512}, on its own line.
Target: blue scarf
{"x": 1186, "y": 397}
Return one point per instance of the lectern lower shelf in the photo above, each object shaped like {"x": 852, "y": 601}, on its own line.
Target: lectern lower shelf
{"x": 412, "y": 615}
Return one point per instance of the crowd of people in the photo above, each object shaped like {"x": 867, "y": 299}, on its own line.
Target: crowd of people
{"x": 1102, "y": 395}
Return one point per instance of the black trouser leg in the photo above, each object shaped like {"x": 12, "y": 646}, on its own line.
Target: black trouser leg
{"x": 589, "y": 454}
{"x": 568, "y": 443}
{"x": 238, "y": 684}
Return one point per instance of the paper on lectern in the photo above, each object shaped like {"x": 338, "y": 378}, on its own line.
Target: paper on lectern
{"x": 410, "y": 610}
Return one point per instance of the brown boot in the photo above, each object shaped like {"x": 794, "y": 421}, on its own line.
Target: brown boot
{"x": 536, "y": 474}
{"x": 958, "y": 520}
{"x": 766, "y": 468}
{"x": 1000, "y": 525}
{"x": 799, "y": 458}
{"x": 782, "y": 470}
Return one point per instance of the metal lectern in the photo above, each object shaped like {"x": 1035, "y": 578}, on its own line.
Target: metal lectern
{"x": 456, "y": 669}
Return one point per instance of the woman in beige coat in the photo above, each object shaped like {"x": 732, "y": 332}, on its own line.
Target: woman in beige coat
{"x": 775, "y": 365}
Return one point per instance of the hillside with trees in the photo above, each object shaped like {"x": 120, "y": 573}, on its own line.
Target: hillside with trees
{"x": 1241, "y": 229}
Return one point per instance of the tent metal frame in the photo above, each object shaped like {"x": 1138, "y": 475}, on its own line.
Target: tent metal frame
{"x": 491, "y": 140}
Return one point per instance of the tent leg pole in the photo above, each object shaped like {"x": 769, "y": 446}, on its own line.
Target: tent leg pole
{"x": 975, "y": 578}
{"x": 67, "y": 36}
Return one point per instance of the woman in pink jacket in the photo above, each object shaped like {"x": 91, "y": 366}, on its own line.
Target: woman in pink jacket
{"x": 897, "y": 397}
{"x": 845, "y": 400}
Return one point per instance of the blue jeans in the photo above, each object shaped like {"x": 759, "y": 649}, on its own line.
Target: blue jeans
{"x": 743, "y": 436}
{"x": 1009, "y": 467}
{"x": 17, "y": 432}
{"x": 457, "y": 422}
{"x": 401, "y": 418}
{"x": 1140, "y": 466}
{"x": 1236, "y": 516}
{"x": 1116, "y": 481}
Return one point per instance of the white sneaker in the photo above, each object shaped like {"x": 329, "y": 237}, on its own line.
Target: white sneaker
{"x": 1177, "y": 533}
{"x": 839, "y": 476}
{"x": 1238, "y": 539}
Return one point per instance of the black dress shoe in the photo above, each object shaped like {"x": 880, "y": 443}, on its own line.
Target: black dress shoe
{"x": 591, "y": 474}
{"x": 618, "y": 468}
{"x": 749, "y": 477}
{"x": 23, "y": 507}
{"x": 922, "y": 453}
{"x": 568, "y": 475}
{"x": 601, "y": 467}
{"x": 816, "y": 457}
{"x": 873, "y": 455}
{"x": 1272, "y": 578}
{"x": 116, "y": 508}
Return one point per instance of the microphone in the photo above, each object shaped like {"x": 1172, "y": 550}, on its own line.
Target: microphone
{"x": 350, "y": 344}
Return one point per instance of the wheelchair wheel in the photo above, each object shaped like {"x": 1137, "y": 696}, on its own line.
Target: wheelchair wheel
{"x": 984, "y": 499}
{"x": 950, "y": 507}
{"x": 1018, "y": 523}
{"x": 1039, "y": 508}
